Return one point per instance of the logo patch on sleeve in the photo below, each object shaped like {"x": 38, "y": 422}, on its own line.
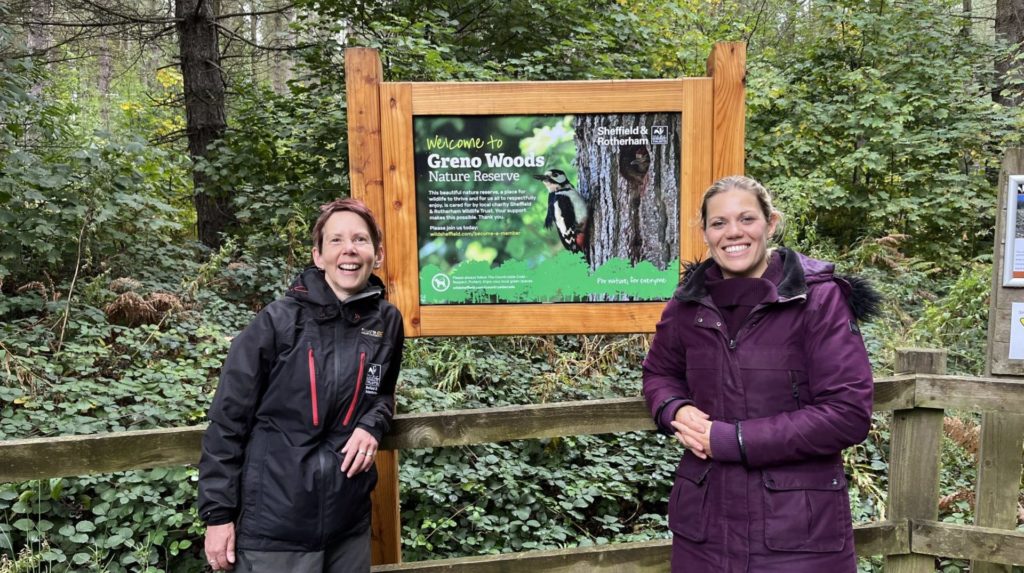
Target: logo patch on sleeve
{"x": 373, "y": 379}
{"x": 373, "y": 333}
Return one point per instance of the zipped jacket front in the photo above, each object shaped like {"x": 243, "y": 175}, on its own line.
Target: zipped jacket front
{"x": 297, "y": 381}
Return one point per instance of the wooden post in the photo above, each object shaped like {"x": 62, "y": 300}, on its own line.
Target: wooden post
{"x": 999, "y": 467}
{"x": 914, "y": 460}
{"x": 727, "y": 66}
{"x": 363, "y": 76}
{"x": 1002, "y": 434}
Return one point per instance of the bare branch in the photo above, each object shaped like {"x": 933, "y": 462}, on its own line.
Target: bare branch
{"x": 126, "y": 18}
{"x": 280, "y": 10}
{"x": 232, "y": 35}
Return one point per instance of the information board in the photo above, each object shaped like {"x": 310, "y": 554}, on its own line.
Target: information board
{"x": 547, "y": 208}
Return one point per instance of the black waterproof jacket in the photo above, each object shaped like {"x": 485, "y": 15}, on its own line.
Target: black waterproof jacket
{"x": 297, "y": 381}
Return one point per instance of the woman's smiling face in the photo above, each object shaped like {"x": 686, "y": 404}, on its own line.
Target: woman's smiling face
{"x": 346, "y": 254}
{"x": 737, "y": 232}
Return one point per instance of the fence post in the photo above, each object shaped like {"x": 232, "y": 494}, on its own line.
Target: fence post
{"x": 999, "y": 466}
{"x": 914, "y": 459}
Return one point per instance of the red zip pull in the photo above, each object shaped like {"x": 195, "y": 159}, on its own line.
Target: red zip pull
{"x": 355, "y": 395}
{"x": 312, "y": 388}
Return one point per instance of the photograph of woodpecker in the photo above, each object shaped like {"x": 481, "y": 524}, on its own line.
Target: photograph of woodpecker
{"x": 567, "y": 210}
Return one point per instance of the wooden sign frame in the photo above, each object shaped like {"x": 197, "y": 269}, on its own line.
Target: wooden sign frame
{"x": 400, "y": 102}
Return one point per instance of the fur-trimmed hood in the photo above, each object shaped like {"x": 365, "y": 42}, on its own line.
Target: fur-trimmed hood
{"x": 799, "y": 272}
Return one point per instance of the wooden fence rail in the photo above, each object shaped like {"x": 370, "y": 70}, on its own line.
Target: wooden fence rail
{"x": 39, "y": 458}
{"x": 36, "y": 458}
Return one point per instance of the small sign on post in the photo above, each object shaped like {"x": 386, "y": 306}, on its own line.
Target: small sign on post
{"x": 1013, "y": 260}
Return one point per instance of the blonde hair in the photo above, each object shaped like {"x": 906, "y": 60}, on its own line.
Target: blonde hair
{"x": 743, "y": 183}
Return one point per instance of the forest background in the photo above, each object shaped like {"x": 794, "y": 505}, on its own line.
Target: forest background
{"x": 136, "y": 239}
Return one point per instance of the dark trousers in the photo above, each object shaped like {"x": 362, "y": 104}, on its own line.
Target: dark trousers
{"x": 350, "y": 555}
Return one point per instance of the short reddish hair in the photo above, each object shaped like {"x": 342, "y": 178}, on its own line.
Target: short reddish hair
{"x": 354, "y": 206}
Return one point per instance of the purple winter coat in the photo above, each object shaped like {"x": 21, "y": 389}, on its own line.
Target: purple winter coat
{"x": 785, "y": 396}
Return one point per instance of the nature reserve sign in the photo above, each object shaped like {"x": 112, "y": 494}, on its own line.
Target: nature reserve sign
{"x": 547, "y": 208}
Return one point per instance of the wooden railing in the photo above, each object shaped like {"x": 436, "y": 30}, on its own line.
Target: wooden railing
{"x": 910, "y": 539}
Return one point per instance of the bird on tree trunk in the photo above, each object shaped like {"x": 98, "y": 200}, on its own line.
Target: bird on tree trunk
{"x": 567, "y": 210}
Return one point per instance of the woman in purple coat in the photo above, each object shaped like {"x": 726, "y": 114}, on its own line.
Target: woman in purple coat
{"x": 759, "y": 370}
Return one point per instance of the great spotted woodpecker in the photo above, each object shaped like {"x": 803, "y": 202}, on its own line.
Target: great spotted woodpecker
{"x": 566, "y": 209}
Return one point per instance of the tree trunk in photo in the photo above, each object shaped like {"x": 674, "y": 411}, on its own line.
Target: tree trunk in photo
{"x": 631, "y": 186}
{"x": 1010, "y": 28}
{"x": 205, "y": 117}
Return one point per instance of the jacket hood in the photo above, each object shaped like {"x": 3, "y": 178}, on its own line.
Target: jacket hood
{"x": 310, "y": 287}
{"x": 799, "y": 272}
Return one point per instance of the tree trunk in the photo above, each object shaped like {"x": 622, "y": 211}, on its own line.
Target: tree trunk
{"x": 632, "y": 188}
{"x": 39, "y": 40}
{"x": 204, "y": 109}
{"x": 254, "y": 39}
{"x": 1010, "y": 28}
{"x": 106, "y": 72}
{"x": 965, "y": 28}
{"x": 281, "y": 65}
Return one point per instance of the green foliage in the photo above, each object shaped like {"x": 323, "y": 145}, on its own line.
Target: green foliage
{"x": 101, "y": 206}
{"x": 875, "y": 153}
{"x": 536, "y": 494}
{"x": 108, "y": 376}
{"x": 862, "y": 135}
{"x": 131, "y": 521}
{"x": 958, "y": 321}
{"x": 281, "y": 158}
{"x": 76, "y": 199}
{"x": 441, "y": 41}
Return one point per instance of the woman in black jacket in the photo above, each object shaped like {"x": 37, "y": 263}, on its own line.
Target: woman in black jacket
{"x": 305, "y": 396}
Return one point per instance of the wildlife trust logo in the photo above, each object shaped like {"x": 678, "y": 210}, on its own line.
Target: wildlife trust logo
{"x": 441, "y": 282}
{"x": 659, "y": 135}
{"x": 373, "y": 379}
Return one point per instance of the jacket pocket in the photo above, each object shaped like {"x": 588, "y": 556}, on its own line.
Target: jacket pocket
{"x": 346, "y": 500}
{"x": 252, "y": 477}
{"x": 359, "y": 387}
{"x": 290, "y": 493}
{"x": 804, "y": 508}
{"x": 687, "y": 510}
